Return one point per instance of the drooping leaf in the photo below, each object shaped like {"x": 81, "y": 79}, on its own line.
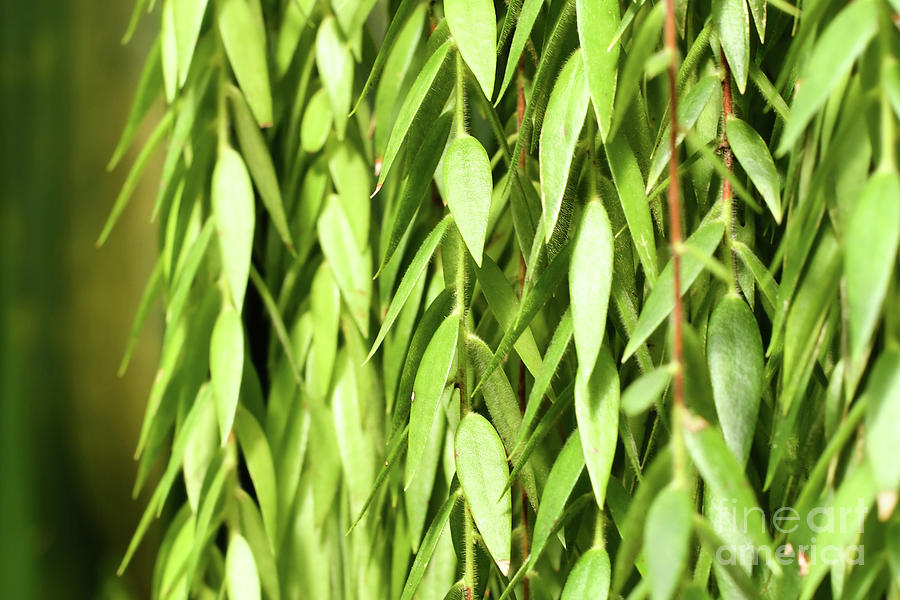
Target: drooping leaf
{"x": 661, "y": 299}
{"x": 564, "y": 119}
{"x": 597, "y": 24}
{"x": 468, "y": 185}
{"x": 733, "y": 26}
{"x": 473, "y": 24}
{"x": 336, "y": 67}
{"x": 422, "y": 105}
{"x": 226, "y": 363}
{"x": 351, "y": 265}
{"x": 833, "y": 56}
{"x": 881, "y": 420}
{"x": 597, "y": 414}
{"x": 232, "y": 204}
{"x": 630, "y": 185}
{"x": 589, "y": 578}
{"x": 753, "y": 155}
{"x": 667, "y": 538}
{"x": 245, "y": 44}
{"x": 590, "y": 280}
{"x": 735, "y": 355}
{"x": 481, "y": 468}
{"x": 427, "y": 389}
{"x": 870, "y": 249}
{"x": 414, "y": 272}
{"x": 241, "y": 576}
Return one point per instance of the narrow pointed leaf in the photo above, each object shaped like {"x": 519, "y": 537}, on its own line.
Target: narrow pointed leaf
{"x": 589, "y": 578}
{"x": 468, "y": 185}
{"x": 736, "y": 367}
{"x": 226, "y": 363}
{"x": 241, "y": 575}
{"x": 597, "y": 414}
{"x": 597, "y": 24}
{"x": 235, "y": 215}
{"x": 245, "y": 44}
{"x": 661, "y": 299}
{"x": 667, "y": 537}
{"x": 563, "y": 121}
{"x": 431, "y": 377}
{"x": 481, "y": 468}
{"x": 590, "y": 281}
{"x": 473, "y": 24}
{"x": 753, "y": 155}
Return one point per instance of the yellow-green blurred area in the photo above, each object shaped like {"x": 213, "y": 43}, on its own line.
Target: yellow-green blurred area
{"x": 68, "y": 424}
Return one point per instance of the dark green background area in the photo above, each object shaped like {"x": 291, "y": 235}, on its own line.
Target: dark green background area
{"x": 67, "y": 422}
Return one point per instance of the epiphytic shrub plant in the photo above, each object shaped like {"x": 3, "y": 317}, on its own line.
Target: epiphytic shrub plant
{"x": 565, "y": 298}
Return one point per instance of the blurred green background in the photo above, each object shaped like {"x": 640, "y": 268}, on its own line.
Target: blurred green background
{"x": 68, "y": 424}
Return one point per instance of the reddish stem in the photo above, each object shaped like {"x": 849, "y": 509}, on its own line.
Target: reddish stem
{"x": 675, "y": 205}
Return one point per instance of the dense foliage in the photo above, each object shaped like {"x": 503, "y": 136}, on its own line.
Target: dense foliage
{"x": 433, "y": 327}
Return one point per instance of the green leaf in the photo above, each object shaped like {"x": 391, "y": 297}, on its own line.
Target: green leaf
{"x": 134, "y": 174}
{"x": 690, "y": 107}
{"x": 481, "y": 468}
{"x": 531, "y": 304}
{"x": 245, "y": 44}
{"x": 169, "y": 50}
{"x": 831, "y": 59}
{"x": 758, "y": 10}
{"x": 421, "y": 172}
{"x": 644, "y": 43}
{"x": 870, "y": 250}
{"x": 258, "y": 456}
{"x": 350, "y": 264}
{"x": 590, "y": 280}
{"x": 259, "y": 162}
{"x": 188, "y": 17}
{"x": 753, "y": 155}
{"x": 733, "y": 26}
{"x": 560, "y": 483}
{"x": 232, "y": 205}
{"x": 502, "y": 300}
{"x": 882, "y": 441}
{"x": 589, "y": 578}
{"x": 429, "y": 542}
{"x": 661, "y": 300}
{"x": 317, "y": 119}
{"x": 597, "y": 24}
{"x": 402, "y": 61}
{"x": 503, "y": 407}
{"x": 552, "y": 357}
{"x": 646, "y": 390}
{"x": 736, "y": 368}
{"x": 241, "y": 577}
{"x": 724, "y": 475}
{"x": 468, "y": 185}
{"x": 473, "y": 24}
{"x": 335, "y": 65}
{"x": 148, "y": 88}
{"x": 151, "y": 290}
{"x": 667, "y": 537}
{"x": 423, "y": 103}
{"x": 226, "y": 363}
{"x": 524, "y": 24}
{"x": 563, "y": 121}
{"x": 431, "y": 377}
{"x": 401, "y": 15}
{"x": 414, "y": 272}
{"x": 630, "y": 185}
{"x": 597, "y": 414}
